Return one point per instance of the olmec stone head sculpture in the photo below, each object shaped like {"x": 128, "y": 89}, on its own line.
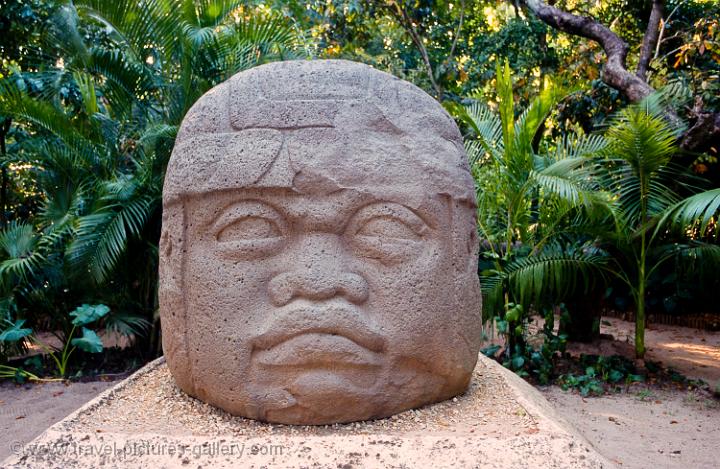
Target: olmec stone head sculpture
{"x": 318, "y": 255}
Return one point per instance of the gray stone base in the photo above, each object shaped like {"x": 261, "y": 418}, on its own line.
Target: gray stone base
{"x": 147, "y": 422}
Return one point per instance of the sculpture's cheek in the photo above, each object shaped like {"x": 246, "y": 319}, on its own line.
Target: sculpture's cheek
{"x": 316, "y": 263}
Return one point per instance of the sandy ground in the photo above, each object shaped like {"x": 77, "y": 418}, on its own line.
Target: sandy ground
{"x": 27, "y": 410}
{"x": 693, "y": 352}
{"x": 655, "y": 430}
{"x": 146, "y": 421}
{"x": 642, "y": 428}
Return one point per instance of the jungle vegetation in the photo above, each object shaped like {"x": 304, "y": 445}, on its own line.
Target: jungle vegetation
{"x": 599, "y": 121}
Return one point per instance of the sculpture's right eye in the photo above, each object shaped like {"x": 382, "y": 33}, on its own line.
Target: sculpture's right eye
{"x": 249, "y": 230}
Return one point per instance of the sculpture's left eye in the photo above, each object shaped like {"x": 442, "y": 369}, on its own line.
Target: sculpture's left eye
{"x": 249, "y": 230}
{"x": 388, "y": 232}
{"x": 386, "y": 226}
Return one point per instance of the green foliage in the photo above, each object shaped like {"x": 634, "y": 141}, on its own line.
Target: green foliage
{"x": 535, "y": 220}
{"x": 89, "y": 341}
{"x": 13, "y": 337}
{"x": 85, "y": 314}
{"x": 22, "y": 256}
{"x": 638, "y": 170}
{"x": 698, "y": 213}
{"x": 14, "y": 331}
{"x": 600, "y": 372}
{"x": 92, "y": 93}
{"x": 570, "y": 215}
{"x": 538, "y": 363}
{"x": 95, "y": 123}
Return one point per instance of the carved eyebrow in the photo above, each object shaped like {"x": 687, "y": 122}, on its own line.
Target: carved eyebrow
{"x": 248, "y": 208}
{"x": 391, "y": 210}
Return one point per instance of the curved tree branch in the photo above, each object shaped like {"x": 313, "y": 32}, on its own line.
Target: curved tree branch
{"x": 704, "y": 126}
{"x": 457, "y": 31}
{"x": 652, "y": 33}
{"x": 404, "y": 19}
{"x": 615, "y": 73}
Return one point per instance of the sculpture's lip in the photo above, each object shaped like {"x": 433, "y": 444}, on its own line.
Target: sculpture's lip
{"x": 329, "y": 320}
{"x": 318, "y": 350}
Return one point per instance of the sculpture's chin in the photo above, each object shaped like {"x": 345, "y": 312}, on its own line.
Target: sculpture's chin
{"x": 344, "y": 402}
{"x": 321, "y": 396}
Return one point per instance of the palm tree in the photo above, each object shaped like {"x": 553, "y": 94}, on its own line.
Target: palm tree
{"x": 637, "y": 168}
{"x": 560, "y": 219}
{"x": 533, "y": 218}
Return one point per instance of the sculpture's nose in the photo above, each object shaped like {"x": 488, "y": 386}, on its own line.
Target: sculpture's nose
{"x": 316, "y": 273}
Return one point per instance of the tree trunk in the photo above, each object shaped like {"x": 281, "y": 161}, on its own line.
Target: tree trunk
{"x": 582, "y": 324}
{"x": 705, "y": 126}
{"x": 4, "y": 129}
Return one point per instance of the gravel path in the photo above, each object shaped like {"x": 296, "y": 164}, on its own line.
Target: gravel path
{"x": 156, "y": 404}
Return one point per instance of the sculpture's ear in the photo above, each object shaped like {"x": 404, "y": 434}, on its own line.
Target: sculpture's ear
{"x": 170, "y": 292}
{"x": 465, "y": 261}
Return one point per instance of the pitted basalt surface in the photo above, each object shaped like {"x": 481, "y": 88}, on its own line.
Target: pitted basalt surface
{"x": 318, "y": 256}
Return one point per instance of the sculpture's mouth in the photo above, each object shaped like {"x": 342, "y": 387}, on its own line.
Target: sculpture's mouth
{"x": 321, "y": 336}
{"x": 317, "y": 350}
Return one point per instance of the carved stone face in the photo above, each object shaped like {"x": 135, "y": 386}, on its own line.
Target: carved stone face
{"x": 313, "y": 274}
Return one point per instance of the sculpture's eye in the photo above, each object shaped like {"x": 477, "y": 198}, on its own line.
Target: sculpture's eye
{"x": 388, "y": 232}
{"x": 250, "y": 230}
{"x": 387, "y": 227}
{"x": 250, "y": 227}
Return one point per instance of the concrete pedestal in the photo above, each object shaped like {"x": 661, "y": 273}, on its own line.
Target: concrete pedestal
{"x": 146, "y": 421}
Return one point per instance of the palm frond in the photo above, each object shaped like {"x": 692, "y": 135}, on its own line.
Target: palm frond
{"x": 212, "y": 13}
{"x": 503, "y": 87}
{"x": 492, "y": 286}
{"x": 123, "y": 80}
{"x": 488, "y": 128}
{"x": 61, "y": 207}
{"x": 140, "y": 25}
{"x": 642, "y": 139}
{"x": 565, "y": 179}
{"x": 572, "y": 146}
{"x": 127, "y": 324}
{"x": 552, "y": 275}
{"x": 102, "y": 236}
{"x": 20, "y": 244}
{"x": 86, "y": 86}
{"x": 15, "y": 103}
{"x": 265, "y": 33}
{"x": 532, "y": 119}
{"x": 698, "y": 211}
{"x": 64, "y": 34}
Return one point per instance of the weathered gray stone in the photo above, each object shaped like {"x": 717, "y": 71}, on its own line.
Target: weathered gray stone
{"x": 319, "y": 249}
